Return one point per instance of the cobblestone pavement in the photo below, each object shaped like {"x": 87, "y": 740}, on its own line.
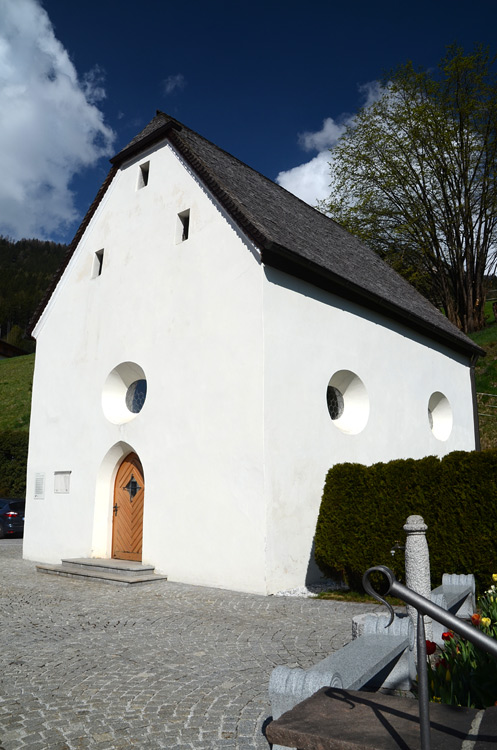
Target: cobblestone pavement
{"x": 91, "y": 665}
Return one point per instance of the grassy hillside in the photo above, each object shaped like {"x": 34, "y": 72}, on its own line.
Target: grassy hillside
{"x": 16, "y": 378}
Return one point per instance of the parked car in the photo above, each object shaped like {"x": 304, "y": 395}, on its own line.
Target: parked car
{"x": 11, "y": 517}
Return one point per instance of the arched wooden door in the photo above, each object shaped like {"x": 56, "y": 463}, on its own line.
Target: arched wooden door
{"x": 129, "y": 493}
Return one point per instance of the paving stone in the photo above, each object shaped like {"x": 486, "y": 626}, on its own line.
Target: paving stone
{"x": 94, "y": 666}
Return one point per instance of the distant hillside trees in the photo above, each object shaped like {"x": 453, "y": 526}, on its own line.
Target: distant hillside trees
{"x": 26, "y": 270}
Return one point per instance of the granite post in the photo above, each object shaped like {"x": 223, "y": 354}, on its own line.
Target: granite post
{"x": 418, "y": 568}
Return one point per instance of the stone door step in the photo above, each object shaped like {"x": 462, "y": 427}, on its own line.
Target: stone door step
{"x": 126, "y": 572}
{"x": 337, "y": 719}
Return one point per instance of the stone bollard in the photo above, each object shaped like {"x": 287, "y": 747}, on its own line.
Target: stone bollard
{"x": 418, "y": 568}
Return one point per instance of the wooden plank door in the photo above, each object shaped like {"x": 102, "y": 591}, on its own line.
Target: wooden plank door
{"x": 129, "y": 493}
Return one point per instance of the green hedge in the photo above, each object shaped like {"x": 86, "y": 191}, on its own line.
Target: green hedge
{"x": 13, "y": 460}
{"x": 364, "y": 509}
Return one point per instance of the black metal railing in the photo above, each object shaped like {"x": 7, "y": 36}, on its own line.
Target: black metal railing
{"x": 426, "y": 607}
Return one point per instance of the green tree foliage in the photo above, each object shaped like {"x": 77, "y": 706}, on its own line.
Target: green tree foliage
{"x": 26, "y": 270}
{"x": 15, "y": 336}
{"x": 13, "y": 460}
{"x": 415, "y": 176}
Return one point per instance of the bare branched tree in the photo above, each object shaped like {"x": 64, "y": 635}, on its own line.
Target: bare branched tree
{"x": 415, "y": 176}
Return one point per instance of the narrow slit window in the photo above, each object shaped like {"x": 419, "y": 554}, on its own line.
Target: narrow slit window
{"x": 98, "y": 261}
{"x": 183, "y": 225}
{"x": 143, "y": 175}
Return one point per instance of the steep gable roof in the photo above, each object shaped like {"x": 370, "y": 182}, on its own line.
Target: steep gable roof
{"x": 293, "y": 236}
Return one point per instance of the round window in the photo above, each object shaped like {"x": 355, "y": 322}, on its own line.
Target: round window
{"x": 335, "y": 402}
{"x": 440, "y": 415}
{"x": 136, "y": 395}
{"x": 124, "y": 393}
{"x": 348, "y": 402}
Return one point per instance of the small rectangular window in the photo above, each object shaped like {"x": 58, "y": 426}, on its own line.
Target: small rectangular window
{"x": 143, "y": 175}
{"x": 183, "y": 226}
{"x": 61, "y": 482}
{"x": 98, "y": 260}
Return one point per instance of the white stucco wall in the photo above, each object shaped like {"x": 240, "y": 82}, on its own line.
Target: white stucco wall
{"x": 235, "y": 438}
{"x": 190, "y": 315}
{"x": 308, "y": 336}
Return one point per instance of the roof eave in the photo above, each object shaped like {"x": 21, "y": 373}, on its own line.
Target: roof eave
{"x": 289, "y": 262}
{"x": 135, "y": 148}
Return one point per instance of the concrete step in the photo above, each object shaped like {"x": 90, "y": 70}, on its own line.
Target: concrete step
{"x": 125, "y": 572}
{"x": 105, "y": 565}
{"x": 337, "y": 719}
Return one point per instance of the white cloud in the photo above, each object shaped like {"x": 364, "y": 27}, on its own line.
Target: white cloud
{"x": 371, "y": 92}
{"x": 93, "y": 82}
{"x": 324, "y": 138}
{"x": 172, "y": 83}
{"x": 50, "y": 128}
{"x": 311, "y": 181}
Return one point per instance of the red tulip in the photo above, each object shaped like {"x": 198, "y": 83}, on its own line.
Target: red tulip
{"x": 475, "y": 619}
{"x": 430, "y": 647}
{"x": 448, "y": 635}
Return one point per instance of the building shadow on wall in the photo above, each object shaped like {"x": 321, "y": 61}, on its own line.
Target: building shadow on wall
{"x": 314, "y": 576}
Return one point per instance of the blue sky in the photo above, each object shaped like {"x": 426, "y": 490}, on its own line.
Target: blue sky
{"x": 272, "y": 83}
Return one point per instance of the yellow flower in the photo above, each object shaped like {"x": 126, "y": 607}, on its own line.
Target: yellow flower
{"x": 447, "y": 676}
{"x": 486, "y": 621}
{"x": 494, "y": 577}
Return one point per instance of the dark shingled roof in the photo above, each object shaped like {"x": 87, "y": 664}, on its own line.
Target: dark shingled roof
{"x": 296, "y": 238}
